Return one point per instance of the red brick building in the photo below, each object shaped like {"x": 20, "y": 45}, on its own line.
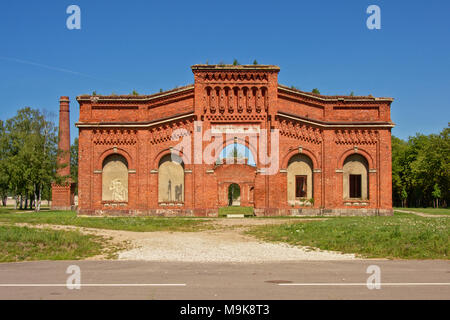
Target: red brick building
{"x": 330, "y": 155}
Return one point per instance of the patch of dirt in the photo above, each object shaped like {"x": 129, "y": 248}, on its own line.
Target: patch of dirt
{"x": 425, "y": 215}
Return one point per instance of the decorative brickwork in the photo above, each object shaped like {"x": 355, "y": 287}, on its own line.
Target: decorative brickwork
{"x": 321, "y": 131}
{"x": 114, "y": 137}
{"x": 299, "y": 131}
{"x": 355, "y": 137}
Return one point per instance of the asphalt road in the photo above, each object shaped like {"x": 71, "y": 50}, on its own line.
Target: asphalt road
{"x": 401, "y": 279}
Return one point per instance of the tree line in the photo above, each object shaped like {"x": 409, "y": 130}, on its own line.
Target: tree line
{"x": 28, "y": 158}
{"x": 421, "y": 170}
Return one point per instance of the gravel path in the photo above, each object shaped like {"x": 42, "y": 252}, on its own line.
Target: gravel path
{"x": 421, "y": 214}
{"x": 222, "y": 245}
{"x": 225, "y": 243}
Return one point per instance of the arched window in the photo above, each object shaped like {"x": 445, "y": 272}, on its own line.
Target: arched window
{"x": 356, "y": 178}
{"x": 115, "y": 179}
{"x": 236, "y": 153}
{"x": 171, "y": 179}
{"x": 299, "y": 178}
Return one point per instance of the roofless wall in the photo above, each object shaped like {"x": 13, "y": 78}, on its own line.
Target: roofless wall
{"x": 235, "y": 104}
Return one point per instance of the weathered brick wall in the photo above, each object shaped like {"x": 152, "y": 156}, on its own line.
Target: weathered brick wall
{"x": 327, "y": 129}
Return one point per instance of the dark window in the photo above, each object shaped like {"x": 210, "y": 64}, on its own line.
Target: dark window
{"x": 300, "y": 186}
{"x": 355, "y": 186}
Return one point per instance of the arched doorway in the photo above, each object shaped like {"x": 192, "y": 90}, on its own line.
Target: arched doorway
{"x": 299, "y": 179}
{"x": 356, "y": 177}
{"x": 115, "y": 179}
{"x": 171, "y": 179}
{"x": 234, "y": 195}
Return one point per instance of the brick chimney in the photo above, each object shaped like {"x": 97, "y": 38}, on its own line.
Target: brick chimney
{"x": 63, "y": 194}
{"x": 64, "y": 138}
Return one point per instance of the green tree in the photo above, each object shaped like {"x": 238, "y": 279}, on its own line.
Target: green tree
{"x": 255, "y": 62}
{"x": 316, "y": 91}
{"x": 235, "y": 62}
{"x": 234, "y": 153}
{"x": 4, "y": 158}
{"x": 421, "y": 170}
{"x": 404, "y": 196}
{"x": 74, "y": 163}
{"x": 31, "y": 164}
{"x": 399, "y": 148}
{"x": 436, "y": 195}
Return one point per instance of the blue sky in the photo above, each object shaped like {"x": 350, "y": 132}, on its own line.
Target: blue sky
{"x": 148, "y": 45}
{"x": 242, "y": 152}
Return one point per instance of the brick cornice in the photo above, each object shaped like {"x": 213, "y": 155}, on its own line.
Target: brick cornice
{"x": 136, "y": 98}
{"x": 239, "y": 68}
{"x": 329, "y": 124}
{"x": 319, "y": 97}
{"x": 133, "y": 124}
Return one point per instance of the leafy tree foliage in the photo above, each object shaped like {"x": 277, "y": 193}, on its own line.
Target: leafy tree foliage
{"x": 28, "y": 152}
{"x": 421, "y": 170}
{"x": 4, "y": 176}
{"x": 74, "y": 163}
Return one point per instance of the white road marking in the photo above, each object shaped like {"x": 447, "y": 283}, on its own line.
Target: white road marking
{"x": 94, "y": 285}
{"x": 365, "y": 284}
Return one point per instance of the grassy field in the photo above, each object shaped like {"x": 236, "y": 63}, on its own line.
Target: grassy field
{"x": 248, "y": 211}
{"x": 437, "y": 211}
{"x": 401, "y": 236}
{"x": 141, "y": 224}
{"x": 26, "y": 244}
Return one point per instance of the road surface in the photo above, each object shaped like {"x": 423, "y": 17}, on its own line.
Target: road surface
{"x": 400, "y": 279}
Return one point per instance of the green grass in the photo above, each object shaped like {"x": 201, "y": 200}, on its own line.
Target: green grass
{"x": 247, "y": 211}
{"x": 26, "y": 244}
{"x": 437, "y": 211}
{"x": 140, "y": 224}
{"x": 400, "y": 236}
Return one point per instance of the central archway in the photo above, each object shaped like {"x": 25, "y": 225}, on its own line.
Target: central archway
{"x": 236, "y": 153}
{"x": 234, "y": 195}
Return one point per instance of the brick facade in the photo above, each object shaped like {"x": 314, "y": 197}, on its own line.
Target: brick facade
{"x": 327, "y": 129}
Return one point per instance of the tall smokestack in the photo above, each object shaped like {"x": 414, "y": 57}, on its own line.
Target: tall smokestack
{"x": 63, "y": 194}
{"x": 64, "y": 138}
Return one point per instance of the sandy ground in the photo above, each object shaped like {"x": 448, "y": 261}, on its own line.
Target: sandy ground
{"x": 224, "y": 243}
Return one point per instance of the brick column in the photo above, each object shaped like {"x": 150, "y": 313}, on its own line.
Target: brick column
{"x": 63, "y": 193}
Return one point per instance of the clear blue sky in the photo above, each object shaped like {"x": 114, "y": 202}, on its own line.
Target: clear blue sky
{"x": 148, "y": 45}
